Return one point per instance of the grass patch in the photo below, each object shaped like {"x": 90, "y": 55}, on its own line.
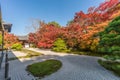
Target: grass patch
{"x": 113, "y": 66}
{"x": 29, "y": 53}
{"x": 44, "y": 68}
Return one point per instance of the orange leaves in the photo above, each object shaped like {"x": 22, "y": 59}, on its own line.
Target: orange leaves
{"x": 96, "y": 15}
{"x": 45, "y": 36}
{"x": 10, "y": 39}
{"x": 107, "y": 4}
{"x": 115, "y": 15}
{"x": 91, "y": 9}
{"x": 72, "y": 34}
{"x": 82, "y": 33}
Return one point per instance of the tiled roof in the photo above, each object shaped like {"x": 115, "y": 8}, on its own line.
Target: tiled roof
{"x": 22, "y": 37}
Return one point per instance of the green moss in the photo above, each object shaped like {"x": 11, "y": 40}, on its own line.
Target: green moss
{"x": 44, "y": 68}
{"x": 29, "y": 53}
{"x": 110, "y": 65}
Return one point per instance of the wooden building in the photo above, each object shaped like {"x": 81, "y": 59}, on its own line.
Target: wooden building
{"x": 24, "y": 40}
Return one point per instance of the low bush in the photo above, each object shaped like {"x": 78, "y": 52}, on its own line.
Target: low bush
{"x": 60, "y": 46}
{"x": 112, "y": 57}
{"x": 113, "y": 66}
{"x": 17, "y": 46}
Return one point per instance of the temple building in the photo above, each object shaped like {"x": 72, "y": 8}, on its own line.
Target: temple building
{"x": 24, "y": 40}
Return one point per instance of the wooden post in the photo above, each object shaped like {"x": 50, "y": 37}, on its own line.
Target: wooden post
{"x": 2, "y": 55}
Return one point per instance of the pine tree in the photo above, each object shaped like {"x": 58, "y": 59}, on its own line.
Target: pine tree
{"x": 110, "y": 37}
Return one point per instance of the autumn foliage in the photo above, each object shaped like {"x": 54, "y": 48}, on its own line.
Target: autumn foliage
{"x": 83, "y": 32}
{"x": 45, "y": 36}
{"x": 10, "y": 39}
{"x": 96, "y": 19}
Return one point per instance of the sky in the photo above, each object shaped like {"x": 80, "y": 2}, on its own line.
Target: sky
{"x": 20, "y": 13}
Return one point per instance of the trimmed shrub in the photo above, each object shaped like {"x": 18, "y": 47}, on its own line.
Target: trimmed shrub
{"x": 17, "y": 46}
{"x": 60, "y": 46}
{"x": 113, "y": 66}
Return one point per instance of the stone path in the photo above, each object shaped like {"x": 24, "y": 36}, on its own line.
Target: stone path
{"x": 2, "y": 70}
{"x": 16, "y": 54}
{"x": 17, "y": 67}
{"x": 75, "y": 67}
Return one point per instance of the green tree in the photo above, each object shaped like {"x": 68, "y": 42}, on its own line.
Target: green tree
{"x": 54, "y": 24}
{"x": 69, "y": 22}
{"x": 60, "y": 46}
{"x": 110, "y": 37}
